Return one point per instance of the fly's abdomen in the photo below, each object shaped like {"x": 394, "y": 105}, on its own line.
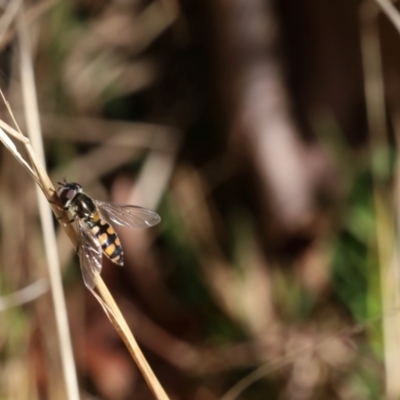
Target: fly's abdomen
{"x": 108, "y": 240}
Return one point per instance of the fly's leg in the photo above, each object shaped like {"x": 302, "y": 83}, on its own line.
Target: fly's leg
{"x": 68, "y": 222}
{"x": 63, "y": 209}
{"x": 57, "y": 205}
{"x": 59, "y": 219}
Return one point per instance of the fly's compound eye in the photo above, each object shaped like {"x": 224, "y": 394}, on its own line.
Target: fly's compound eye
{"x": 67, "y": 191}
{"x": 66, "y": 194}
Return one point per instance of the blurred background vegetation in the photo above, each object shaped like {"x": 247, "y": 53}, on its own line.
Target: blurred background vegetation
{"x": 265, "y": 135}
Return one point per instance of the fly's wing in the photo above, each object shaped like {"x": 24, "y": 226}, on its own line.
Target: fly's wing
{"x": 127, "y": 215}
{"x": 90, "y": 256}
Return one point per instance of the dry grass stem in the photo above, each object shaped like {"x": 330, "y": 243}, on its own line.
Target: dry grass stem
{"x": 33, "y": 124}
{"x": 25, "y": 295}
{"x": 9, "y": 15}
{"x": 118, "y": 133}
{"x": 153, "y": 179}
{"x": 117, "y": 319}
{"x": 385, "y": 230}
{"x": 8, "y": 143}
{"x": 390, "y": 11}
{"x": 31, "y": 14}
{"x": 37, "y": 171}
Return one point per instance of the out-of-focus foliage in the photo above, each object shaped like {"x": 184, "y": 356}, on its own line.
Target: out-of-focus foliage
{"x": 266, "y": 269}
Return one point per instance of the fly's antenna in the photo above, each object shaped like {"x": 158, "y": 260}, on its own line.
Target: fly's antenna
{"x": 64, "y": 182}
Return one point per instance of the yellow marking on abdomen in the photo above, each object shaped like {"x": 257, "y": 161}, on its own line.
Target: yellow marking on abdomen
{"x": 96, "y": 217}
{"x": 95, "y": 229}
{"x": 110, "y": 230}
{"x": 117, "y": 241}
{"x": 110, "y": 249}
{"x": 102, "y": 238}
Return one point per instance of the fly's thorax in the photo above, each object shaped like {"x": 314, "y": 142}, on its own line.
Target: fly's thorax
{"x": 82, "y": 206}
{"x": 67, "y": 192}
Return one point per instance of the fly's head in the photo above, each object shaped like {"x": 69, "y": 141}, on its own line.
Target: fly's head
{"x": 67, "y": 191}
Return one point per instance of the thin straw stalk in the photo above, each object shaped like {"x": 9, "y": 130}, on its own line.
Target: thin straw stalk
{"x": 37, "y": 171}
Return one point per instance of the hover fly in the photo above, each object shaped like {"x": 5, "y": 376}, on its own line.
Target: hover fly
{"x": 96, "y": 234}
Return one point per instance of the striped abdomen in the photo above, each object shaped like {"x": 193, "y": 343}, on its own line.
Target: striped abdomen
{"x": 107, "y": 238}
